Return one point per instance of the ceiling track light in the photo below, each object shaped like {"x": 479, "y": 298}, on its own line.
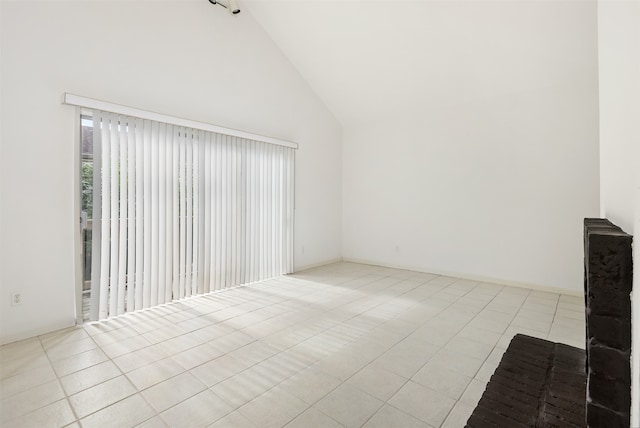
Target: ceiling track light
{"x": 231, "y": 5}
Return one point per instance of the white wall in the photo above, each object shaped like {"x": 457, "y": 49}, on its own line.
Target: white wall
{"x": 619, "y": 71}
{"x": 492, "y": 186}
{"x": 187, "y": 59}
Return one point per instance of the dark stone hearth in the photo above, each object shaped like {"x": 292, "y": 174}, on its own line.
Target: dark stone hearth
{"x": 544, "y": 384}
{"x": 606, "y": 418}
{"x": 538, "y": 383}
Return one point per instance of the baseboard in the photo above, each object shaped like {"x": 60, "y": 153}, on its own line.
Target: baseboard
{"x": 28, "y": 334}
{"x": 315, "y": 265}
{"x": 537, "y": 287}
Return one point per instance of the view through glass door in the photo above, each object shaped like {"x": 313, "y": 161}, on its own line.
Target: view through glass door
{"x": 87, "y": 211}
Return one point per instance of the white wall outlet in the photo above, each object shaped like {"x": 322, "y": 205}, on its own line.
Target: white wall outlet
{"x": 302, "y": 250}
{"x": 16, "y": 299}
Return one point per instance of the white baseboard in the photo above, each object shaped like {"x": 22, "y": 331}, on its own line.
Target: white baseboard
{"x": 315, "y": 265}
{"x": 537, "y": 287}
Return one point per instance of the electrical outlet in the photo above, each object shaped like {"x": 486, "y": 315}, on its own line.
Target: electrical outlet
{"x": 302, "y": 250}
{"x": 16, "y": 299}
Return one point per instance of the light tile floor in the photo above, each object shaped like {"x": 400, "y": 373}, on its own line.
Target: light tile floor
{"x": 343, "y": 345}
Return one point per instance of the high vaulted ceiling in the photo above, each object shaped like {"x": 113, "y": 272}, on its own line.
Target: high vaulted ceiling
{"x": 377, "y": 60}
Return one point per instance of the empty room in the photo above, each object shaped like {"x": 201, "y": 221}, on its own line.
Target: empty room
{"x": 319, "y": 213}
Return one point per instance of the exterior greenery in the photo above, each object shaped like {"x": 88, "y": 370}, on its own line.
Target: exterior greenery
{"x": 87, "y": 188}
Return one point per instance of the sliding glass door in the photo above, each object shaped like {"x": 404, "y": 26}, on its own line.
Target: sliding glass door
{"x": 173, "y": 212}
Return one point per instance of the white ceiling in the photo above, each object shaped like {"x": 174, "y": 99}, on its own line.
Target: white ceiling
{"x": 377, "y": 60}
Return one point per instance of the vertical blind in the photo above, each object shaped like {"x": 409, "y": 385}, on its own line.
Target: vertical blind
{"x": 183, "y": 211}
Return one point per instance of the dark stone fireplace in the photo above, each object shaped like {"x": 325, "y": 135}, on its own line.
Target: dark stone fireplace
{"x": 608, "y": 279}
{"x": 539, "y": 383}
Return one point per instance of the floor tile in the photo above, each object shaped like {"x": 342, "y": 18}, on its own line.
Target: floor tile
{"x": 79, "y": 362}
{"x": 100, "y": 396}
{"x": 26, "y": 380}
{"x": 448, "y": 382}
{"x": 13, "y": 367}
{"x": 489, "y": 365}
{"x": 114, "y": 336}
{"x": 234, "y": 420}
{"x": 253, "y": 353}
{"x": 63, "y": 350}
{"x": 172, "y": 391}
{"x": 460, "y": 363}
{"x": 479, "y": 335}
{"x": 129, "y": 412}
{"x": 242, "y": 388}
{"x": 91, "y": 376}
{"x": 20, "y": 350}
{"x": 537, "y": 324}
{"x": 139, "y": 358}
{"x": 390, "y": 417}
{"x": 349, "y": 406}
{"x": 458, "y": 416}
{"x": 30, "y": 400}
{"x": 342, "y": 364}
{"x": 201, "y": 410}
{"x": 490, "y": 325}
{"x": 313, "y": 418}
{"x": 197, "y": 355}
{"x": 406, "y": 358}
{"x": 378, "y": 382}
{"x": 324, "y": 347}
{"x": 60, "y": 337}
{"x": 468, "y": 347}
{"x": 473, "y": 393}
{"x": 154, "y": 373}
{"x": 311, "y": 385}
{"x": 274, "y": 408}
{"x": 423, "y": 403}
{"x": 125, "y": 346}
{"x": 217, "y": 370}
{"x": 56, "y": 414}
{"x": 154, "y": 422}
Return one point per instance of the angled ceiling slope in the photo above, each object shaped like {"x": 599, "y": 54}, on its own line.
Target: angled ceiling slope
{"x": 377, "y": 60}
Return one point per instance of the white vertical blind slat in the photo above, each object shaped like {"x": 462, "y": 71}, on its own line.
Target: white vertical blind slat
{"x": 255, "y": 236}
{"x": 155, "y": 235}
{"x": 233, "y": 207}
{"x": 114, "y": 143}
{"x": 223, "y": 215}
{"x": 199, "y": 188}
{"x": 168, "y": 180}
{"x": 139, "y": 279}
{"x": 189, "y": 210}
{"x": 243, "y": 212}
{"x": 131, "y": 223}
{"x": 185, "y": 212}
{"x": 162, "y": 210}
{"x": 122, "y": 215}
{"x": 175, "y": 206}
{"x": 146, "y": 281}
{"x": 105, "y": 251}
{"x": 218, "y": 202}
{"x": 228, "y": 204}
{"x": 262, "y": 215}
{"x": 206, "y": 191}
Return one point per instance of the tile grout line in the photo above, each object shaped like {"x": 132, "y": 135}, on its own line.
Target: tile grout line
{"x": 352, "y": 297}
